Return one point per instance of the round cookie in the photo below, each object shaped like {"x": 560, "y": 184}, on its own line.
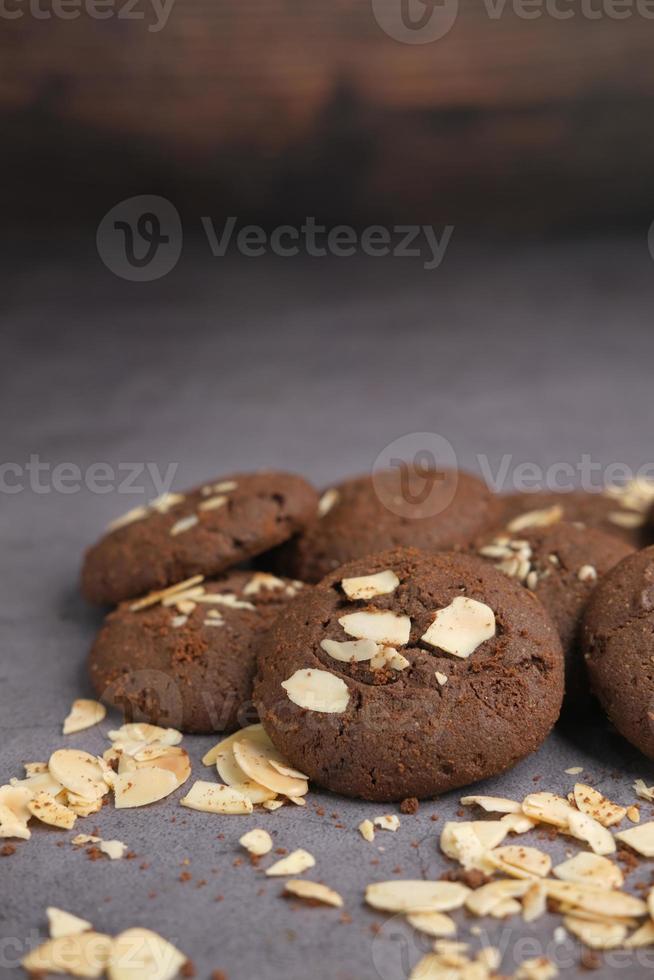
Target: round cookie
{"x": 618, "y": 645}
{"x": 186, "y": 658}
{"x": 561, "y": 564}
{"x": 201, "y": 531}
{"x": 620, "y": 511}
{"x": 433, "y": 511}
{"x": 408, "y": 718}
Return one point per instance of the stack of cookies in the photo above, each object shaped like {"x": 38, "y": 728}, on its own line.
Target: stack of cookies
{"x": 404, "y": 634}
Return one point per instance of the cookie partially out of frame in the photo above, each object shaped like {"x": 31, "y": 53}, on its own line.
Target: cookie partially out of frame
{"x": 561, "y": 563}
{"x": 433, "y": 510}
{"x": 618, "y": 644}
{"x": 405, "y": 674}
{"x": 186, "y": 659}
{"x": 203, "y": 531}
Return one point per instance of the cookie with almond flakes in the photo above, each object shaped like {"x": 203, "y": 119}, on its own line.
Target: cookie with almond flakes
{"x": 202, "y": 531}
{"x": 185, "y": 658}
{"x": 406, "y": 675}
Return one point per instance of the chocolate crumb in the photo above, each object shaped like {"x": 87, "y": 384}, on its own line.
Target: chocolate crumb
{"x": 590, "y": 960}
{"x": 7, "y": 850}
{"x": 410, "y": 805}
{"x": 188, "y": 969}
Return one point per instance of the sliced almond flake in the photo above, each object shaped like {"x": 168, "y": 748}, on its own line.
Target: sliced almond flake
{"x": 41, "y": 782}
{"x": 225, "y": 486}
{"x": 178, "y": 621}
{"x": 298, "y": 800}
{"x": 537, "y": 968}
{"x": 367, "y": 830}
{"x": 213, "y": 503}
{"x": 144, "y": 732}
{"x": 388, "y": 657}
{"x": 548, "y": 808}
{"x": 587, "y": 573}
{"x": 11, "y": 825}
{"x": 114, "y": 849}
{"x": 35, "y": 768}
{"x": 590, "y": 869}
{"x": 84, "y": 714}
{"x": 606, "y": 902}
{"x": 369, "y": 586}
{"x": 590, "y": 801}
{"x": 382, "y": 626}
{"x": 328, "y": 500}
{"x": 261, "y": 581}
{"x": 133, "y": 515}
{"x": 216, "y": 798}
{"x": 313, "y": 892}
{"x": 284, "y": 769}
{"x": 534, "y": 902}
{"x": 488, "y": 897}
{"x": 579, "y": 913}
{"x": 468, "y": 841}
{"x": 447, "y": 947}
{"x": 461, "y": 627}
{"x": 170, "y": 757}
{"x": 389, "y": 821}
{"x": 434, "y": 966}
{"x": 222, "y": 750}
{"x": 521, "y": 861}
{"x": 626, "y": 519}
{"x": 231, "y": 773}
{"x": 166, "y": 501}
{"x": 78, "y": 772}
{"x": 596, "y": 935}
{"x": 416, "y": 896}
{"x": 441, "y": 678}
{"x": 317, "y": 690}
{"x": 83, "y": 954}
{"x": 272, "y": 805}
{"x": 254, "y": 762}
{"x": 492, "y": 804}
{"x": 643, "y": 790}
{"x": 139, "y": 954}
{"x": 184, "y": 524}
{"x": 184, "y": 600}
{"x": 536, "y": 518}
{"x": 155, "y": 597}
{"x": 185, "y": 607}
{"x": 518, "y": 823}
{"x": 144, "y": 786}
{"x": 350, "y": 651}
{"x": 490, "y": 957}
{"x": 432, "y": 923}
{"x": 585, "y": 828}
{"x": 641, "y": 937}
{"x": 506, "y": 908}
{"x": 257, "y": 842}
{"x": 227, "y": 599}
{"x": 633, "y": 814}
{"x": 46, "y": 809}
{"x": 62, "y": 923}
{"x": 640, "y": 838}
{"x": 650, "y": 903}
{"x": 574, "y": 770}
{"x": 294, "y": 864}
{"x": 81, "y": 839}
{"x": 17, "y": 799}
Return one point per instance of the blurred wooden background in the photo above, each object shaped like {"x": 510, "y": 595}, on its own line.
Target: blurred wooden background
{"x": 274, "y": 109}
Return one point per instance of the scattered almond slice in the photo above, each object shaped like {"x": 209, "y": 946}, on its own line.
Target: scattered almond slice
{"x": 536, "y": 518}
{"x": 317, "y": 690}
{"x": 313, "y": 892}
{"x": 608, "y": 903}
{"x": 643, "y": 790}
{"x": 350, "y": 651}
{"x": 596, "y": 935}
{"x": 213, "y": 503}
{"x": 590, "y": 869}
{"x": 78, "y": 772}
{"x": 382, "y": 626}
{"x": 468, "y": 841}
{"x": 216, "y": 798}
{"x": 388, "y": 657}
{"x": 641, "y": 937}
{"x": 506, "y": 908}
{"x": 256, "y": 842}
{"x": 254, "y": 763}
{"x": 294, "y": 864}
{"x": 488, "y": 897}
{"x": 84, "y": 713}
{"x": 369, "y": 586}
{"x": 153, "y": 598}
{"x": 144, "y": 732}
{"x": 168, "y": 757}
{"x": 584, "y": 827}
{"x": 367, "y": 830}
{"x": 114, "y": 849}
{"x": 80, "y": 839}
{"x": 548, "y": 808}
{"x": 221, "y": 753}
{"x": 184, "y": 524}
{"x": 328, "y": 500}
{"x": 40, "y": 782}
{"x": 441, "y": 678}
{"x": 35, "y": 768}
{"x": 574, "y": 770}
{"x": 534, "y": 902}
{"x": 83, "y": 954}
{"x": 82, "y": 807}
{"x": 46, "y": 809}
{"x": 11, "y": 825}
{"x": 263, "y": 581}
{"x": 17, "y": 798}
{"x": 633, "y": 814}
{"x": 142, "y": 787}
{"x": 589, "y": 801}
{"x": 62, "y": 923}
{"x": 298, "y": 800}
{"x": 432, "y": 923}
{"x": 461, "y": 627}
{"x": 640, "y": 838}
{"x": 492, "y": 804}
{"x": 139, "y": 954}
{"x": 286, "y": 770}
{"x": 272, "y": 805}
{"x": 388, "y": 822}
{"x": 537, "y": 968}
{"x": 521, "y": 862}
{"x": 416, "y": 896}
{"x": 518, "y": 823}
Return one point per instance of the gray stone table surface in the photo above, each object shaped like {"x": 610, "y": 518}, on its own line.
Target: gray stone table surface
{"x": 543, "y": 352}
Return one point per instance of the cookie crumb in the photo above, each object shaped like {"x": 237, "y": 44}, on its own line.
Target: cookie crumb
{"x": 410, "y": 805}
{"x": 590, "y": 960}
{"x": 7, "y": 850}
{"x": 188, "y": 969}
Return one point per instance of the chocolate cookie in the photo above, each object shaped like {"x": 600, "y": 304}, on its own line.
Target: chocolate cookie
{"x": 406, "y": 675}
{"x": 432, "y": 510}
{"x": 185, "y": 658}
{"x": 561, "y": 564}
{"x": 618, "y": 644}
{"x": 202, "y": 531}
{"x": 620, "y": 511}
